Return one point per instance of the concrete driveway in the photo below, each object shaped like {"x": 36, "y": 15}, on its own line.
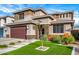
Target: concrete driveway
{"x": 16, "y": 46}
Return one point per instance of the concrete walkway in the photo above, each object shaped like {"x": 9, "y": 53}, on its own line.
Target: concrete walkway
{"x": 14, "y": 47}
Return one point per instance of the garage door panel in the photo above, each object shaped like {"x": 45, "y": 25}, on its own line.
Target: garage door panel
{"x": 18, "y": 32}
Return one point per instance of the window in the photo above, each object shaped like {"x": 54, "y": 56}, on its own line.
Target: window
{"x": 58, "y": 28}
{"x": 21, "y": 16}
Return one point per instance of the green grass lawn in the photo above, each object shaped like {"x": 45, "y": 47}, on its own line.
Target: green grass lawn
{"x": 30, "y": 49}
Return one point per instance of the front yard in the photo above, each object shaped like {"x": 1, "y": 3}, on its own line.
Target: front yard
{"x": 30, "y": 49}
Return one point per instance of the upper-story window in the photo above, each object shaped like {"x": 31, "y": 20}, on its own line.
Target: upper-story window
{"x": 60, "y": 16}
{"x": 21, "y": 16}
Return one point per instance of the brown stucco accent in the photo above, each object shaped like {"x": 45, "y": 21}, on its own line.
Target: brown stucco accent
{"x": 16, "y": 16}
{"x": 29, "y": 13}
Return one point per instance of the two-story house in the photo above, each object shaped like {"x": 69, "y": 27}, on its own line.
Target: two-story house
{"x": 4, "y": 20}
{"x": 33, "y": 23}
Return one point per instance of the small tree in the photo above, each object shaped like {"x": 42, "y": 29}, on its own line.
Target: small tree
{"x": 43, "y": 38}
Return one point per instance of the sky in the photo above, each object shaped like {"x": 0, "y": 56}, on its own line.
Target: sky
{"x": 7, "y": 9}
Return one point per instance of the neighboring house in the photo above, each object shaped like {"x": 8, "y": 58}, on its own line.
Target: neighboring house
{"x": 4, "y": 20}
{"x": 30, "y": 23}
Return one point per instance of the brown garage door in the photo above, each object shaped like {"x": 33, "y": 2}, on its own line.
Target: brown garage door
{"x": 18, "y": 32}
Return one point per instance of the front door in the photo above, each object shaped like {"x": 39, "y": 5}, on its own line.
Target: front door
{"x": 43, "y": 30}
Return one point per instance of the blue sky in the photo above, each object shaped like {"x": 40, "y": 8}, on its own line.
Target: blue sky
{"x": 7, "y": 9}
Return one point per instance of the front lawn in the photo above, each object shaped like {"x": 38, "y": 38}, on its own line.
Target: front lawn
{"x": 30, "y": 49}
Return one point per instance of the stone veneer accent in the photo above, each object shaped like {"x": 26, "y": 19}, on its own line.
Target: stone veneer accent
{"x": 31, "y": 36}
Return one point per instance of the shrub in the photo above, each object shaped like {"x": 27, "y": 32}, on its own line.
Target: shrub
{"x": 68, "y": 39}
{"x": 3, "y": 46}
{"x": 45, "y": 38}
{"x": 57, "y": 39}
{"x": 12, "y": 43}
{"x": 50, "y": 37}
{"x": 18, "y": 41}
{"x": 66, "y": 35}
{"x": 71, "y": 39}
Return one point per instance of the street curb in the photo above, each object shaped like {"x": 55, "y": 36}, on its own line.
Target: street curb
{"x": 73, "y": 51}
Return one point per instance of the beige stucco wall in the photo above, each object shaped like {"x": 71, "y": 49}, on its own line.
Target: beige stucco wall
{"x": 30, "y": 30}
{"x": 27, "y": 15}
{"x": 45, "y": 21}
{"x": 2, "y": 22}
{"x": 67, "y": 28}
{"x": 51, "y": 29}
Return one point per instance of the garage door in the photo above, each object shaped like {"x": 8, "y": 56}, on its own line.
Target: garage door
{"x": 18, "y": 32}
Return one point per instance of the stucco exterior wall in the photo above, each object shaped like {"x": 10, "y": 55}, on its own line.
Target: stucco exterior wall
{"x": 51, "y": 29}
{"x": 30, "y": 30}
{"x": 16, "y": 16}
{"x": 9, "y": 20}
{"x": 5, "y": 29}
{"x": 39, "y": 13}
{"x": 67, "y": 28}
{"x": 29, "y": 13}
{"x": 44, "y": 21}
{"x": 2, "y": 22}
